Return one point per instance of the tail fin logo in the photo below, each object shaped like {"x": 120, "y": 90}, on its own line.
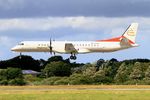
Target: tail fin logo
{"x": 131, "y": 32}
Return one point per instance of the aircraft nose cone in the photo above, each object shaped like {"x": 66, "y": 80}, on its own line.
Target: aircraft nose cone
{"x": 13, "y": 49}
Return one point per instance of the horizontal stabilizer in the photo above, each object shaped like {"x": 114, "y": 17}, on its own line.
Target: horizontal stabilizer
{"x": 125, "y": 42}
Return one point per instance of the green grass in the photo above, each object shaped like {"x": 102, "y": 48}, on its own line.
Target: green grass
{"x": 32, "y": 94}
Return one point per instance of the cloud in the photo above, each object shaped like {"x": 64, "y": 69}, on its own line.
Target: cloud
{"x": 11, "y": 4}
{"x": 80, "y": 23}
{"x": 63, "y": 28}
{"x": 63, "y": 8}
{"x": 49, "y": 23}
{"x": 38, "y": 23}
{"x": 5, "y": 41}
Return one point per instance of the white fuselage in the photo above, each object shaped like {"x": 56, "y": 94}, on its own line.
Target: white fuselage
{"x": 126, "y": 40}
{"x": 59, "y": 46}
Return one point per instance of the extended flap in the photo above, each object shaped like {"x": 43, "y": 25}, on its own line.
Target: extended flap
{"x": 70, "y": 47}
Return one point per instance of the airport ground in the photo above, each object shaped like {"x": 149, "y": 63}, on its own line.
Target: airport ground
{"x": 76, "y": 92}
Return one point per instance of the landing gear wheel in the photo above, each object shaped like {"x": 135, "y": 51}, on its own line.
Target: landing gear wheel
{"x": 73, "y": 56}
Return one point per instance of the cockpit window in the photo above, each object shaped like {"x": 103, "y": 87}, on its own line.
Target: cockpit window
{"x": 21, "y": 44}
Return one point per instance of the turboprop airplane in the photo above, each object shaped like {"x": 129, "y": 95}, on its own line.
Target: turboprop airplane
{"x": 127, "y": 40}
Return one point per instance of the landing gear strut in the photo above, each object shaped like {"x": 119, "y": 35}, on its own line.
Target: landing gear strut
{"x": 73, "y": 56}
{"x": 20, "y": 55}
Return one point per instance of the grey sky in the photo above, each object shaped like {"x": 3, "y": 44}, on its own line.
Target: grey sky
{"x": 43, "y": 8}
{"x": 22, "y": 20}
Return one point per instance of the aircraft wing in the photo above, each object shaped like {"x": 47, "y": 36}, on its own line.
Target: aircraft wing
{"x": 69, "y": 47}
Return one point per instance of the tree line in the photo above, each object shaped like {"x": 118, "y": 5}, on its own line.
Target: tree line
{"x": 59, "y": 71}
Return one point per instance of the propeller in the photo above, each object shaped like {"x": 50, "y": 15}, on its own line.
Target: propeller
{"x": 50, "y": 46}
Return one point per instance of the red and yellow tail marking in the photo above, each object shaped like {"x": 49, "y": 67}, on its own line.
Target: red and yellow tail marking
{"x": 117, "y": 39}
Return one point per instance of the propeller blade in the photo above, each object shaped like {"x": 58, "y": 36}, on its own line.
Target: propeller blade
{"x": 50, "y": 47}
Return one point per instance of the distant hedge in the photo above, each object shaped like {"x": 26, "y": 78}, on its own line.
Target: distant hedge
{"x": 11, "y": 76}
{"x": 57, "y": 71}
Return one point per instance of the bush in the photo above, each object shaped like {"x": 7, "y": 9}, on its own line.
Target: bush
{"x": 16, "y": 82}
{"x": 77, "y": 79}
{"x": 13, "y": 73}
{"x": 3, "y": 82}
{"x": 53, "y": 81}
{"x": 30, "y": 79}
{"x": 50, "y": 81}
{"x": 62, "y": 81}
{"x": 57, "y": 69}
{"x": 3, "y": 74}
{"x": 55, "y": 59}
{"x": 11, "y": 76}
{"x": 101, "y": 78}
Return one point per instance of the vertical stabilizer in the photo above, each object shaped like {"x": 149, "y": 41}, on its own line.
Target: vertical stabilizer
{"x": 131, "y": 31}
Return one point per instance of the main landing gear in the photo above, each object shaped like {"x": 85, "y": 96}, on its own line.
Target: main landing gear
{"x": 73, "y": 56}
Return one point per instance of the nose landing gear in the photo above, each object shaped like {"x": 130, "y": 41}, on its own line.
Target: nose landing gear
{"x": 20, "y": 56}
